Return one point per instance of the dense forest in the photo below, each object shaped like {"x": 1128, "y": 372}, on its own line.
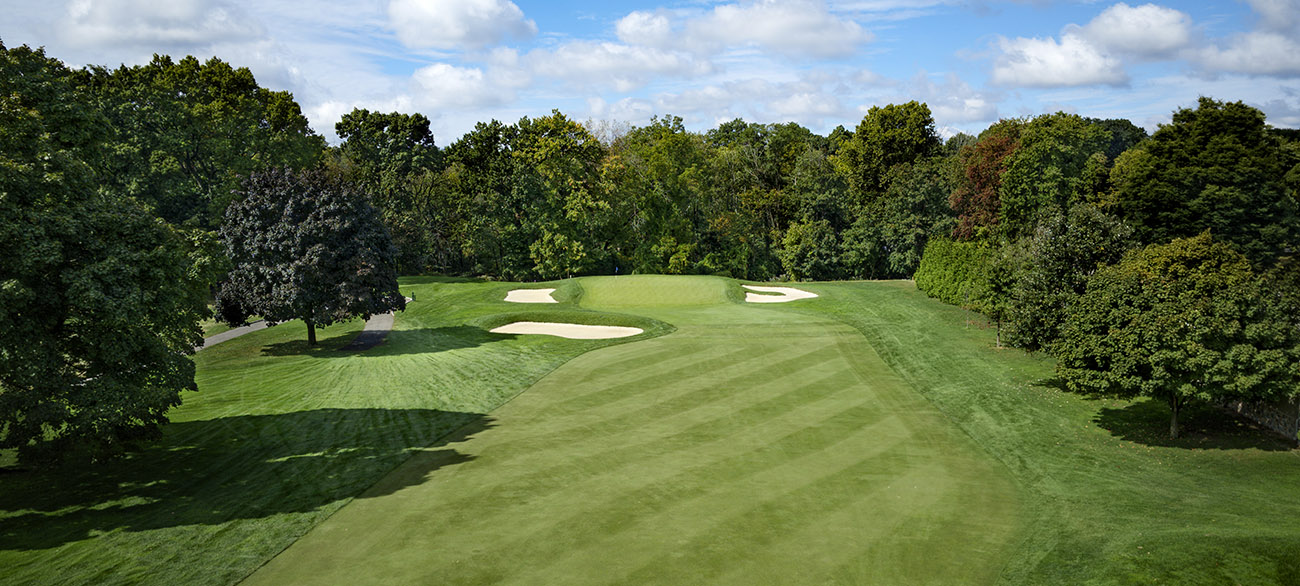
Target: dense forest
{"x": 1078, "y": 236}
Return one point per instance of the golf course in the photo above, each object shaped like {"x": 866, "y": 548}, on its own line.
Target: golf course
{"x": 852, "y": 433}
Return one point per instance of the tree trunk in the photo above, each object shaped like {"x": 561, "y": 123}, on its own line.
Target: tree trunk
{"x": 1173, "y": 418}
{"x": 311, "y": 333}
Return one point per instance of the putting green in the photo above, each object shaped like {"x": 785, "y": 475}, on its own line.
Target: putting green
{"x": 752, "y": 445}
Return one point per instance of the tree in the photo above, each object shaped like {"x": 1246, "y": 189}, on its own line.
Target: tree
{"x": 809, "y": 252}
{"x": 913, "y": 209}
{"x": 976, "y": 198}
{"x": 99, "y": 300}
{"x": 1214, "y": 168}
{"x": 185, "y": 133}
{"x": 887, "y": 136}
{"x": 1179, "y": 322}
{"x": 1063, "y": 252}
{"x": 306, "y": 246}
{"x": 1049, "y": 172}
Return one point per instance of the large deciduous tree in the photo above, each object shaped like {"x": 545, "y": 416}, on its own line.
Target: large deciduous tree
{"x": 185, "y": 133}
{"x": 1179, "y": 322}
{"x": 1054, "y": 168}
{"x": 976, "y": 199}
{"x": 887, "y": 136}
{"x": 305, "y": 245}
{"x": 99, "y": 300}
{"x": 1213, "y": 168}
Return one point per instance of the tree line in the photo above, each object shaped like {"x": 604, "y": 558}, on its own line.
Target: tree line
{"x": 130, "y": 196}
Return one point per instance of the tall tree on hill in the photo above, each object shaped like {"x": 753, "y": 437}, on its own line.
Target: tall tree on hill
{"x": 1053, "y": 169}
{"x": 887, "y": 136}
{"x": 99, "y": 302}
{"x": 185, "y": 133}
{"x": 1179, "y": 322}
{"x": 306, "y": 246}
{"x": 1214, "y": 168}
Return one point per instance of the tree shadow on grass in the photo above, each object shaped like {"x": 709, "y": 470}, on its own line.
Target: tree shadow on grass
{"x": 398, "y": 342}
{"x": 429, "y": 279}
{"x": 245, "y": 467}
{"x": 1202, "y": 427}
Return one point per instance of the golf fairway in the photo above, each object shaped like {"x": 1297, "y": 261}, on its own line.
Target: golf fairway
{"x": 754, "y": 444}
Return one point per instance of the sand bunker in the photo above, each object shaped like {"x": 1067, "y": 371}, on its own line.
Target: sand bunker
{"x": 572, "y": 331}
{"x": 531, "y": 296}
{"x": 785, "y": 294}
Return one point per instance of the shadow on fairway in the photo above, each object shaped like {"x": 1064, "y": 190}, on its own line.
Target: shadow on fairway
{"x": 428, "y": 279}
{"x": 245, "y": 467}
{"x": 416, "y": 341}
{"x": 1203, "y": 427}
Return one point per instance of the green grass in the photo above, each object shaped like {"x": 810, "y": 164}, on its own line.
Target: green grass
{"x": 870, "y": 435}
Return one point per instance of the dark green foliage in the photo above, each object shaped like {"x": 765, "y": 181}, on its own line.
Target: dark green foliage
{"x": 393, "y": 158}
{"x": 185, "y": 133}
{"x": 1063, "y": 252}
{"x": 1180, "y": 322}
{"x": 1053, "y": 169}
{"x": 955, "y": 272}
{"x": 953, "y": 146}
{"x": 306, "y": 246}
{"x": 914, "y": 209}
{"x": 1214, "y": 168}
{"x": 809, "y": 252}
{"x": 99, "y": 300}
{"x": 1124, "y": 135}
{"x": 887, "y": 136}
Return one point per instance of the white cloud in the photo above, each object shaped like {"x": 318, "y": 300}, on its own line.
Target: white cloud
{"x": 1255, "y": 53}
{"x": 160, "y": 25}
{"x": 457, "y": 24}
{"x": 1147, "y": 30}
{"x": 1072, "y": 61}
{"x": 625, "y": 67}
{"x": 1277, "y": 15}
{"x": 796, "y": 27}
{"x": 793, "y": 28}
{"x": 644, "y": 28}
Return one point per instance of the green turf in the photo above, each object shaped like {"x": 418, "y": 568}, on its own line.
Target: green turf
{"x": 868, "y": 435}
{"x": 749, "y": 446}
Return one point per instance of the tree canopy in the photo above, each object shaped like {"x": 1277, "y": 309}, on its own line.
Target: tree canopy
{"x": 99, "y": 299}
{"x": 305, "y": 245}
{"x": 1214, "y": 168}
{"x": 1179, "y": 322}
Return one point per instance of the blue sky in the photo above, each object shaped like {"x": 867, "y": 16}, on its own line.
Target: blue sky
{"x": 817, "y": 62}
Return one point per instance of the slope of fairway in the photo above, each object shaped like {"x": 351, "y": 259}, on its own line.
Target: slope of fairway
{"x": 749, "y": 446}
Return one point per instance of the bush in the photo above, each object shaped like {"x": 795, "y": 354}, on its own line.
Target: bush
{"x": 955, "y": 272}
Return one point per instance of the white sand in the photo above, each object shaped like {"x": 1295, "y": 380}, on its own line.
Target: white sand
{"x": 531, "y": 296}
{"x": 785, "y": 294}
{"x": 573, "y": 331}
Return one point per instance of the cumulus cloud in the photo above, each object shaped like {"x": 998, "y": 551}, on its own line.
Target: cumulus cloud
{"x": 1147, "y": 30}
{"x": 797, "y": 28}
{"x": 644, "y": 28}
{"x": 1277, "y": 15}
{"x": 625, "y": 67}
{"x": 804, "y": 101}
{"x": 1073, "y": 61}
{"x": 172, "y": 24}
{"x": 1255, "y": 53}
{"x": 457, "y": 24}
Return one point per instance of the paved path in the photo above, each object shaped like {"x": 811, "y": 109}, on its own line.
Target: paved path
{"x": 210, "y": 341}
{"x": 376, "y": 330}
